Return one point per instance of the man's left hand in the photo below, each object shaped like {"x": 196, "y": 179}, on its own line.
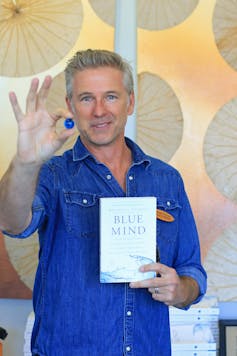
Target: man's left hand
{"x": 168, "y": 287}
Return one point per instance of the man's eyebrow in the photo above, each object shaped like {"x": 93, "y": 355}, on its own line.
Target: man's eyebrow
{"x": 112, "y": 91}
{"x": 84, "y": 93}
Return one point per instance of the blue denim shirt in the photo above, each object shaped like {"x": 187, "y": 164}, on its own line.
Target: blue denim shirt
{"x": 74, "y": 313}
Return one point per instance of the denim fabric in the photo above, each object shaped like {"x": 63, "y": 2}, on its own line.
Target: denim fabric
{"x": 74, "y": 313}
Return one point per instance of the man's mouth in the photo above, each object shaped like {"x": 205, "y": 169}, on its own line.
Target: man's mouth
{"x": 101, "y": 124}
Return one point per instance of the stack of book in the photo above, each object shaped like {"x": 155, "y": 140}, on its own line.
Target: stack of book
{"x": 27, "y": 334}
{"x": 194, "y": 332}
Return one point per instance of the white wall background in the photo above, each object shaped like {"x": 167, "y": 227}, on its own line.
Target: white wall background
{"x": 13, "y": 316}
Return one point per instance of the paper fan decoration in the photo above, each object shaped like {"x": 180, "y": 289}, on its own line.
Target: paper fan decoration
{"x": 57, "y": 93}
{"x": 36, "y": 34}
{"x": 220, "y": 150}
{"x": 225, "y": 30}
{"x": 162, "y": 14}
{"x": 159, "y": 117}
{"x": 23, "y": 254}
{"x": 151, "y": 14}
{"x": 221, "y": 266}
{"x": 56, "y": 99}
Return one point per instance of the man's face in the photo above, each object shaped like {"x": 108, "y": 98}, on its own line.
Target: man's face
{"x": 100, "y": 105}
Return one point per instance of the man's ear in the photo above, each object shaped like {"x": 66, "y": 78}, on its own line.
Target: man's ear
{"x": 131, "y": 103}
{"x": 69, "y": 104}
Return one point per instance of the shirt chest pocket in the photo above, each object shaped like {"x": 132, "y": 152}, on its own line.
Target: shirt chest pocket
{"x": 167, "y": 219}
{"x": 82, "y": 213}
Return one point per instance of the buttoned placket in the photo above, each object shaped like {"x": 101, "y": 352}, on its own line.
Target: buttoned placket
{"x": 128, "y": 341}
{"x": 128, "y": 320}
{"x": 129, "y": 293}
{"x": 130, "y": 185}
{"x": 107, "y": 177}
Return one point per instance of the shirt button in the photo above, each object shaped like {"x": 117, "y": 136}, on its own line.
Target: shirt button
{"x": 85, "y": 201}
{"x": 130, "y": 177}
{"x": 108, "y": 176}
{"x": 128, "y": 348}
{"x": 168, "y": 203}
{"x": 129, "y": 313}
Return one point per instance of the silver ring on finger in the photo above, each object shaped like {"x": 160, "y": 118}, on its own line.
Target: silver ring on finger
{"x": 156, "y": 290}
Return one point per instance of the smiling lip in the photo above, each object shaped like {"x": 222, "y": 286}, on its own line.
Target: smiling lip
{"x": 101, "y": 125}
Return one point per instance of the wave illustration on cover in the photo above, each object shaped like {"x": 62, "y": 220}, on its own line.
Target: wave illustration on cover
{"x": 127, "y": 271}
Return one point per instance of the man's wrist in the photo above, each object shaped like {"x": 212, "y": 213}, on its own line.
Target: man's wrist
{"x": 19, "y": 163}
{"x": 189, "y": 291}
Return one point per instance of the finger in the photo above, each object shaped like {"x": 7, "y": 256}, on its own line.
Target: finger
{"x": 43, "y": 92}
{"x": 157, "y": 267}
{"x": 15, "y": 106}
{"x": 159, "y": 296}
{"x": 155, "y": 290}
{"x": 61, "y": 113}
{"x": 146, "y": 283}
{"x": 63, "y": 136}
{"x": 31, "y": 97}
{"x": 157, "y": 293}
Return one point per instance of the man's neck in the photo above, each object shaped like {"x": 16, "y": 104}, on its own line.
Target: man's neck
{"x": 118, "y": 158}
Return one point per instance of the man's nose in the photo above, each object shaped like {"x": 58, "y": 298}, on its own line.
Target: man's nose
{"x": 99, "y": 108}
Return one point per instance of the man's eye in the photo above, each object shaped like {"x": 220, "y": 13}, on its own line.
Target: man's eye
{"x": 86, "y": 98}
{"x": 111, "y": 97}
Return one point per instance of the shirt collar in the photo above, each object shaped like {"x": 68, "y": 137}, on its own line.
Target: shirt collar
{"x": 80, "y": 152}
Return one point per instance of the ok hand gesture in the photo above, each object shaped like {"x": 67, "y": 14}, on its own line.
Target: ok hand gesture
{"x": 38, "y": 139}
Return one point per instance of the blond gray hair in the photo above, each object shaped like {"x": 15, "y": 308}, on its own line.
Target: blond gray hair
{"x": 94, "y": 59}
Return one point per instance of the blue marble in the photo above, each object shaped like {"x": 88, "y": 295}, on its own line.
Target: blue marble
{"x": 69, "y": 123}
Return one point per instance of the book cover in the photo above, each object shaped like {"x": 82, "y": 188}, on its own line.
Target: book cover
{"x": 195, "y": 311}
{"x": 194, "y": 347}
{"x": 199, "y": 333}
{"x": 127, "y": 238}
{"x": 196, "y": 325}
{"x": 193, "y": 353}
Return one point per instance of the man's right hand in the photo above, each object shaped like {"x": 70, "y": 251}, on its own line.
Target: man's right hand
{"x": 38, "y": 139}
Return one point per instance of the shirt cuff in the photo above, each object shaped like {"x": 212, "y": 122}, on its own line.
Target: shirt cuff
{"x": 200, "y": 277}
{"x": 37, "y": 213}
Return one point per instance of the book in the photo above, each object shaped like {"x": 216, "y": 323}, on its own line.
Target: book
{"x": 194, "y": 347}
{"x": 194, "y": 311}
{"x": 127, "y": 238}
{"x": 28, "y": 334}
{"x": 193, "y": 353}
{"x": 202, "y": 333}
{"x": 196, "y": 325}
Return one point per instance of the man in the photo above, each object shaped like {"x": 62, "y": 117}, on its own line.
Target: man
{"x": 75, "y": 314}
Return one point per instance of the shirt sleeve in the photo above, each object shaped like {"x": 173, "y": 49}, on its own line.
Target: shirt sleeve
{"x": 41, "y": 204}
{"x": 188, "y": 259}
